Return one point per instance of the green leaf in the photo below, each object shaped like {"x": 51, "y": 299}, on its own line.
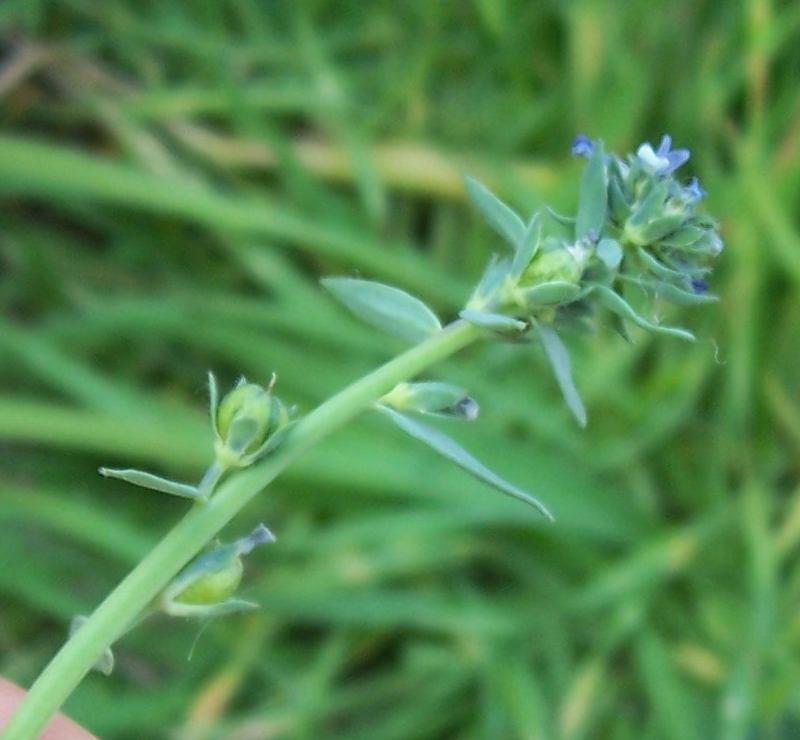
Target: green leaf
{"x": 213, "y": 402}
{"x": 560, "y": 218}
{"x": 593, "y": 196}
{"x": 685, "y": 237}
{"x": 616, "y": 303}
{"x": 385, "y": 307}
{"x": 529, "y": 245}
{"x": 655, "y": 266}
{"x": 661, "y": 227}
{"x": 681, "y": 297}
{"x": 151, "y": 482}
{"x": 558, "y": 355}
{"x": 493, "y": 276}
{"x": 500, "y": 216}
{"x": 450, "y": 449}
{"x": 618, "y": 203}
{"x": 495, "y": 322}
{"x": 650, "y": 205}
{"x": 551, "y": 293}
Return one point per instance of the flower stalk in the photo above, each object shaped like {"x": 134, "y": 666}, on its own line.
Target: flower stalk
{"x": 202, "y": 522}
{"x": 636, "y": 226}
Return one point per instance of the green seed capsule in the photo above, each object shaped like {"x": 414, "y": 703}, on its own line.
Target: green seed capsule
{"x": 206, "y": 586}
{"x": 222, "y": 578}
{"x": 245, "y": 419}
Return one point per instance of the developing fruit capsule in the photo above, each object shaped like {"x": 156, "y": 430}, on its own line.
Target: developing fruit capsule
{"x": 245, "y": 420}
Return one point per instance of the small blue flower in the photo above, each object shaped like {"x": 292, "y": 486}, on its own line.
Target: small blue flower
{"x": 664, "y": 160}
{"x": 695, "y": 191}
{"x": 582, "y": 146}
{"x": 699, "y": 286}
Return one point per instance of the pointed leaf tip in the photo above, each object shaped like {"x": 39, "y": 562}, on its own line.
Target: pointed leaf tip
{"x": 494, "y": 322}
{"x": 454, "y": 452}
{"x": 558, "y": 356}
{"x": 618, "y": 305}
{"x": 593, "y": 195}
{"x": 500, "y": 216}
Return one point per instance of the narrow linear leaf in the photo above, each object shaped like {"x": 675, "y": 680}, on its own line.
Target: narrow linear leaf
{"x": 529, "y": 245}
{"x": 495, "y": 273}
{"x": 593, "y": 195}
{"x": 558, "y": 356}
{"x": 500, "y": 216}
{"x": 560, "y": 218}
{"x": 385, "y": 307}
{"x": 454, "y": 452}
{"x": 213, "y": 401}
{"x": 151, "y": 482}
{"x": 619, "y": 326}
{"x": 495, "y": 322}
{"x": 649, "y": 205}
{"x": 685, "y": 237}
{"x": 551, "y": 293}
{"x": 684, "y": 297}
{"x": 614, "y": 302}
{"x": 656, "y": 267}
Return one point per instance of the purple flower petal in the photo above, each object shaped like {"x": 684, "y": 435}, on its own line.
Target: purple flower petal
{"x": 582, "y": 146}
{"x": 664, "y": 146}
{"x": 695, "y": 190}
{"x": 676, "y": 158}
{"x": 664, "y": 160}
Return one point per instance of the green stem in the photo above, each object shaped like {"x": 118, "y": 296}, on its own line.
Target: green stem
{"x": 203, "y": 521}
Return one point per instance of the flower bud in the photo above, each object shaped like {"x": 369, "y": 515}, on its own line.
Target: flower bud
{"x": 245, "y": 420}
{"x": 555, "y": 264}
{"x": 432, "y": 397}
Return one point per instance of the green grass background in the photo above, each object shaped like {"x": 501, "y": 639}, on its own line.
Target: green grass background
{"x": 174, "y": 178}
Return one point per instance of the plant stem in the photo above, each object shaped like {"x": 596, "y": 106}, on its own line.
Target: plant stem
{"x": 143, "y": 584}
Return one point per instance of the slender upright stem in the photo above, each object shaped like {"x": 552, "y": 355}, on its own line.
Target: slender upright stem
{"x": 143, "y": 584}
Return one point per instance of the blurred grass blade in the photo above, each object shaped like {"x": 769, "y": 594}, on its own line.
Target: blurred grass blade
{"x": 37, "y": 168}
